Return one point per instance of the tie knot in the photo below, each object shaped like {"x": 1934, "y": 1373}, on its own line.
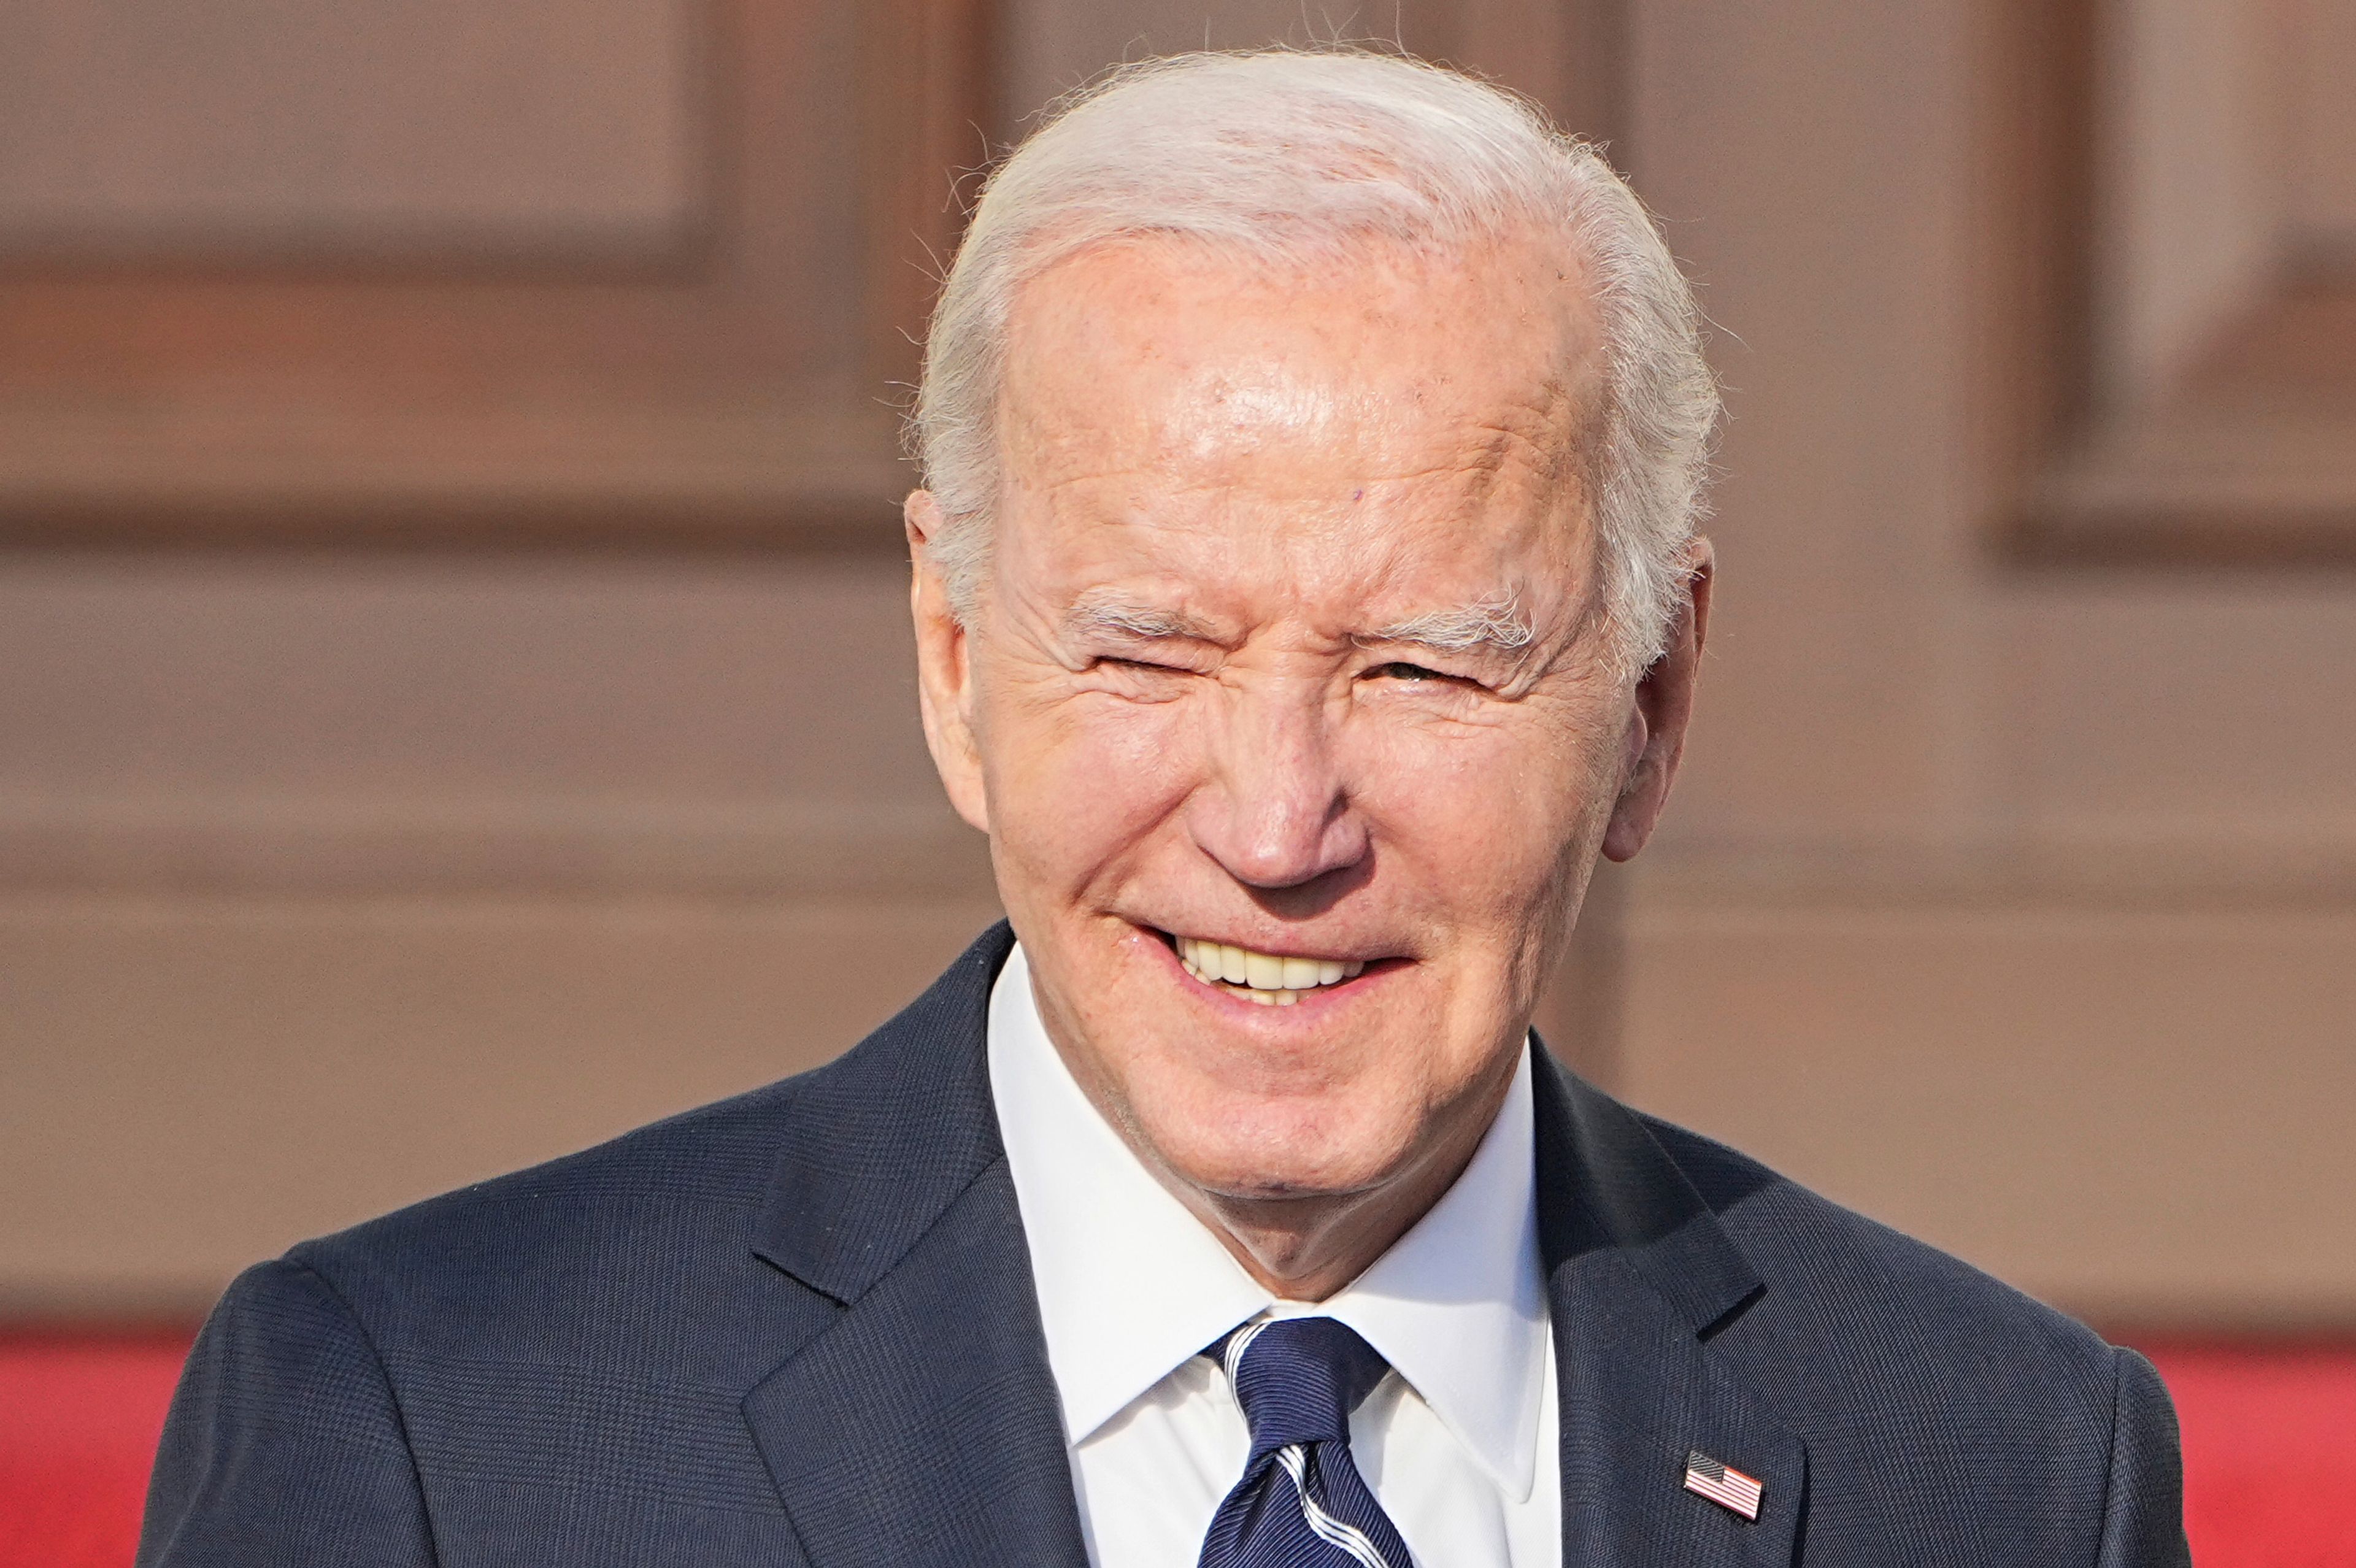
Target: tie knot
{"x": 1299, "y": 1379}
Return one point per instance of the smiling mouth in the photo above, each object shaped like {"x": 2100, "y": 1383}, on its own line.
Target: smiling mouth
{"x": 1263, "y": 978}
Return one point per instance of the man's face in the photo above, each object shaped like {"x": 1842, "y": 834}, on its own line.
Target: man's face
{"x": 1291, "y": 642}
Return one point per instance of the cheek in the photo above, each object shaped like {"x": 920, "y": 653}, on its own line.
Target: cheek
{"x": 1074, "y": 782}
{"x": 1482, "y": 817}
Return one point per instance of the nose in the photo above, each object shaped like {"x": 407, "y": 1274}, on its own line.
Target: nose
{"x": 1277, "y": 812}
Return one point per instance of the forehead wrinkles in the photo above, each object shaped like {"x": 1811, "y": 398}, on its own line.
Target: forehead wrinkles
{"x": 1404, "y": 542}
{"x": 1534, "y": 436}
{"x": 1146, "y": 389}
{"x": 1369, "y": 452}
{"x": 1502, "y": 321}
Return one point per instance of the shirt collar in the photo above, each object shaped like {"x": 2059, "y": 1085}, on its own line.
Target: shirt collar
{"x": 1130, "y": 1284}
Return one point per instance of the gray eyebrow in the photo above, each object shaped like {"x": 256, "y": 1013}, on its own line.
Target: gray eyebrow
{"x": 1490, "y": 623}
{"x": 1495, "y": 621}
{"x": 1123, "y": 618}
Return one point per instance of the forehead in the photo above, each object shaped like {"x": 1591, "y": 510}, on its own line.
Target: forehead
{"x": 1152, "y": 340}
{"x": 1381, "y": 414}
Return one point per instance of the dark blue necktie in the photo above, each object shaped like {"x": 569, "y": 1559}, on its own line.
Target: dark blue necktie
{"x": 1301, "y": 1503}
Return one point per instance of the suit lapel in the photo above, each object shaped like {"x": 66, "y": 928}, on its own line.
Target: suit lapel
{"x": 1640, "y": 1279}
{"x": 923, "y": 1427}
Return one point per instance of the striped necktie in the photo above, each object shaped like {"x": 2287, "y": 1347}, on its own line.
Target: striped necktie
{"x": 1301, "y": 1503}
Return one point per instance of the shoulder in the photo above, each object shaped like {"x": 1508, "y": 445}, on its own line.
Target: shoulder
{"x": 570, "y": 1243}
{"x": 677, "y": 1206}
{"x": 1846, "y": 1287}
{"x": 712, "y": 1158}
{"x": 1923, "y": 1386}
{"x": 656, "y": 1237}
{"x": 508, "y": 1344}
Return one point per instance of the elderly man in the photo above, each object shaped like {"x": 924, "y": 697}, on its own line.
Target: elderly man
{"x": 1306, "y": 593}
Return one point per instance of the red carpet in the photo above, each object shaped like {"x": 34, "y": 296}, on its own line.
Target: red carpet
{"x": 2269, "y": 1449}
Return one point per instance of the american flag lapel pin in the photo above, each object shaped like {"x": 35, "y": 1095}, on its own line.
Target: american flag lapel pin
{"x": 1722, "y": 1484}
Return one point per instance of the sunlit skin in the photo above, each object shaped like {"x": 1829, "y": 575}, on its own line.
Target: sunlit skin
{"x": 1191, "y": 703}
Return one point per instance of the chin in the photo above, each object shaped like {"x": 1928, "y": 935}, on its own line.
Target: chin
{"x": 1258, "y": 1151}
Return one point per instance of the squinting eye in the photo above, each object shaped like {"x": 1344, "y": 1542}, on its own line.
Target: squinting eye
{"x": 1397, "y": 671}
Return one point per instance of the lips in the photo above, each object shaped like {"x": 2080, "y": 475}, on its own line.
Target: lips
{"x": 1270, "y": 979}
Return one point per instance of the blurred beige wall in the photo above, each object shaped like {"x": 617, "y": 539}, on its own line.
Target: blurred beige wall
{"x": 455, "y": 703}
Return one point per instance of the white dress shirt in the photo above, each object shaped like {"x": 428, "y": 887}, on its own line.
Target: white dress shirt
{"x": 1458, "y": 1441}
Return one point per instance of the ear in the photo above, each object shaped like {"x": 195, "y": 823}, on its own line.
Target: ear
{"x": 1656, "y": 728}
{"x": 945, "y": 685}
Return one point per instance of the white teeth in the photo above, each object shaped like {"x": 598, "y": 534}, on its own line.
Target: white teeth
{"x": 1262, "y": 978}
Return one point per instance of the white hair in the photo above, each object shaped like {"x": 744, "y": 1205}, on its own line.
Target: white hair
{"x": 1283, "y": 155}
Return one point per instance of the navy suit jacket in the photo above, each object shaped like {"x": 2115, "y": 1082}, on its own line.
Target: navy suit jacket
{"x": 799, "y": 1327}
